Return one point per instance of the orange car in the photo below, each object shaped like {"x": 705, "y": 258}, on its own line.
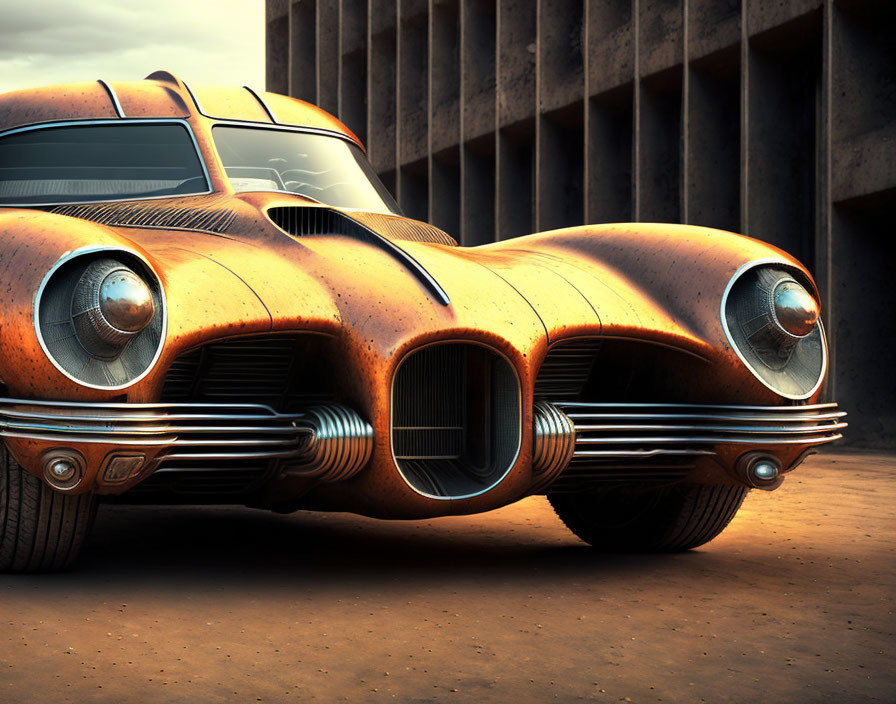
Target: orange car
{"x": 207, "y": 296}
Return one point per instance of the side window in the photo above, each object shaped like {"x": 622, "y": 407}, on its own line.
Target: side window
{"x": 79, "y": 163}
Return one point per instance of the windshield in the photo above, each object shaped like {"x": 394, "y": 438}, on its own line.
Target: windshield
{"x": 78, "y": 163}
{"x": 326, "y": 169}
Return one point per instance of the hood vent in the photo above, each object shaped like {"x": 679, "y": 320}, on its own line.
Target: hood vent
{"x": 305, "y": 221}
{"x": 397, "y": 228}
{"x": 172, "y": 217}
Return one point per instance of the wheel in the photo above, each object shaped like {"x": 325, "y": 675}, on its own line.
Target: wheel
{"x": 632, "y": 519}
{"x": 40, "y": 529}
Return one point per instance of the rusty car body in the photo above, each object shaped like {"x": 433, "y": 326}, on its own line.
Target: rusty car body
{"x": 206, "y": 296}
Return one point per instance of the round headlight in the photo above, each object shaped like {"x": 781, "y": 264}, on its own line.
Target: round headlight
{"x": 100, "y": 317}
{"x": 126, "y": 301}
{"x": 795, "y": 311}
{"x": 110, "y": 305}
{"x": 772, "y": 322}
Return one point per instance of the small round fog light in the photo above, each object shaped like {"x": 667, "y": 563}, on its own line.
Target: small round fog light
{"x": 126, "y": 301}
{"x": 62, "y": 470}
{"x": 795, "y": 310}
{"x": 765, "y": 471}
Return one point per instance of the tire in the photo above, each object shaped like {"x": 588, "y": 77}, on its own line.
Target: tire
{"x": 631, "y": 519}
{"x": 41, "y": 529}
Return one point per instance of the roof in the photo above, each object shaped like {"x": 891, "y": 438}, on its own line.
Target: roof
{"x": 163, "y": 95}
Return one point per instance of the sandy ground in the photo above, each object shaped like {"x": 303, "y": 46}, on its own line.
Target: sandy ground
{"x": 793, "y": 603}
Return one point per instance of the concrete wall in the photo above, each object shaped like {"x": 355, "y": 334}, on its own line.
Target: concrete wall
{"x": 496, "y": 118}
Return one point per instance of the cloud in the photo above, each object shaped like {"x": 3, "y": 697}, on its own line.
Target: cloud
{"x": 43, "y": 42}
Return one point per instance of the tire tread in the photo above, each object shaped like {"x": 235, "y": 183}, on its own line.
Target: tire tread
{"x": 40, "y": 529}
{"x": 680, "y": 518}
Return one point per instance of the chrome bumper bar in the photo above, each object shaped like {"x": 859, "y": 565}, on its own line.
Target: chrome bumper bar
{"x": 189, "y": 431}
{"x": 604, "y": 429}
{"x": 329, "y": 441}
{"x": 576, "y": 436}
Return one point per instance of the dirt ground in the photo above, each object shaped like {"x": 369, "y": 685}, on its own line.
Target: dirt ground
{"x": 793, "y": 603}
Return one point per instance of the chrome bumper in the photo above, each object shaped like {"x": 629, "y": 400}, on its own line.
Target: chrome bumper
{"x": 329, "y": 441}
{"x": 189, "y": 431}
{"x": 593, "y": 440}
{"x": 606, "y": 430}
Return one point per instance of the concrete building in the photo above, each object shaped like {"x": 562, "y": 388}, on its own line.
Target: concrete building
{"x": 496, "y": 118}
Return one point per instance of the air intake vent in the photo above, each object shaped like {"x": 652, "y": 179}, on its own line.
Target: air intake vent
{"x": 153, "y": 216}
{"x": 565, "y": 370}
{"x": 285, "y": 372}
{"x": 397, "y": 228}
{"x": 455, "y": 420}
{"x": 303, "y": 221}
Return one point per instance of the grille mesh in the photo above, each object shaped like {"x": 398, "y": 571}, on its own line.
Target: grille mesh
{"x": 304, "y": 221}
{"x": 423, "y": 428}
{"x": 455, "y": 419}
{"x": 397, "y": 228}
{"x": 284, "y": 372}
{"x": 565, "y": 370}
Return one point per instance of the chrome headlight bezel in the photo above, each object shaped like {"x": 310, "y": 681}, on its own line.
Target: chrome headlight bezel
{"x": 120, "y": 368}
{"x": 802, "y": 347}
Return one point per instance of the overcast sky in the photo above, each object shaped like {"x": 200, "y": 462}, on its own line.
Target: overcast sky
{"x": 203, "y": 41}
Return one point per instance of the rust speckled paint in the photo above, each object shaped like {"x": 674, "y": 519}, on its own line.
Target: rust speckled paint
{"x": 659, "y": 284}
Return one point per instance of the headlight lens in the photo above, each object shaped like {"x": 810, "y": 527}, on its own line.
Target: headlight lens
{"x": 110, "y": 305}
{"x": 126, "y": 301}
{"x": 100, "y": 318}
{"x": 795, "y": 311}
{"x": 772, "y": 322}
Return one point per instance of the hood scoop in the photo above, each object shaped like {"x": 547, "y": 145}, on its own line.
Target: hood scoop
{"x": 299, "y": 221}
{"x": 303, "y": 221}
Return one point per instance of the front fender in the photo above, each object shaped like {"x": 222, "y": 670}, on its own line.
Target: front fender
{"x": 662, "y": 283}
{"x": 34, "y": 241}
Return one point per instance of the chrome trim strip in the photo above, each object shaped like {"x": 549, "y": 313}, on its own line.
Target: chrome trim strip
{"x": 277, "y": 436}
{"x": 122, "y": 406}
{"x": 150, "y": 430}
{"x": 586, "y": 404}
{"x": 724, "y": 319}
{"x": 123, "y": 121}
{"x": 224, "y": 469}
{"x": 113, "y": 97}
{"x": 330, "y": 442}
{"x": 808, "y": 425}
{"x": 710, "y": 440}
{"x": 690, "y": 416}
{"x": 642, "y": 453}
{"x": 420, "y": 272}
{"x": 285, "y": 128}
{"x": 284, "y": 455}
{"x": 263, "y": 125}
{"x": 746, "y": 430}
{"x": 81, "y": 251}
{"x": 263, "y": 104}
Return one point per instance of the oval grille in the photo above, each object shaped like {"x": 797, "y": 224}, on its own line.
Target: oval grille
{"x": 455, "y": 420}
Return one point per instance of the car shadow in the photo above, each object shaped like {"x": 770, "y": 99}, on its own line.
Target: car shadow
{"x": 198, "y": 546}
